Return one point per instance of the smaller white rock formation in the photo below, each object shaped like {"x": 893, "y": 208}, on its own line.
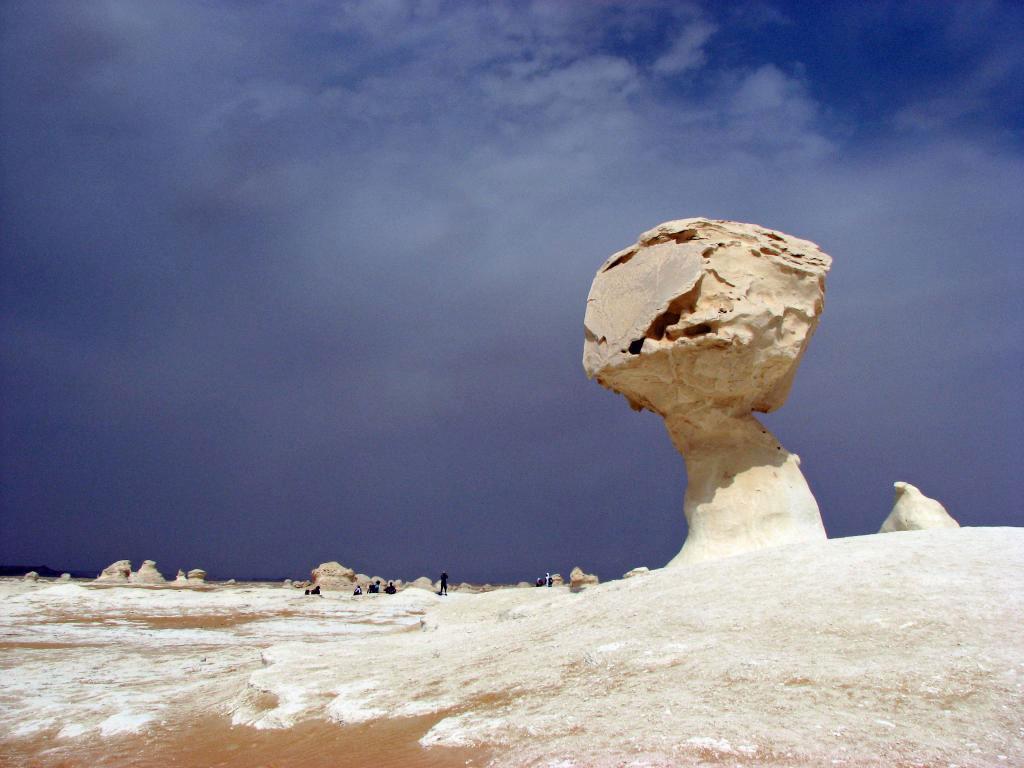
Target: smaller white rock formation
{"x": 557, "y": 580}
{"x": 197, "y": 576}
{"x": 120, "y": 571}
{"x": 30, "y": 576}
{"x": 286, "y": 583}
{"x": 423, "y": 583}
{"x": 147, "y": 574}
{"x": 65, "y": 577}
{"x": 333, "y": 575}
{"x": 181, "y": 578}
{"x": 578, "y": 580}
{"x": 913, "y": 511}
{"x": 636, "y": 572}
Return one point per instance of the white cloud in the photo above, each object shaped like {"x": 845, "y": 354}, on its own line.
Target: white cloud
{"x": 687, "y": 51}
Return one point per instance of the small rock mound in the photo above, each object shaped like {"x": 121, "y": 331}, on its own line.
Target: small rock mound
{"x": 147, "y": 574}
{"x": 197, "y": 575}
{"x": 578, "y": 580}
{"x": 30, "y": 576}
{"x": 65, "y": 577}
{"x": 181, "y": 578}
{"x": 120, "y": 571}
{"x": 423, "y": 583}
{"x": 333, "y": 575}
{"x": 913, "y": 511}
{"x": 636, "y": 572}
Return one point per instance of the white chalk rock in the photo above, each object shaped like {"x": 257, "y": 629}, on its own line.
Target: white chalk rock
{"x": 30, "y": 576}
{"x": 578, "y": 580}
{"x": 65, "y": 577}
{"x": 913, "y": 511}
{"x": 704, "y": 322}
{"x": 197, "y": 576}
{"x": 333, "y": 575}
{"x": 119, "y": 571}
{"x": 557, "y": 580}
{"x": 423, "y": 583}
{"x": 181, "y": 578}
{"x": 147, "y": 574}
{"x": 636, "y": 572}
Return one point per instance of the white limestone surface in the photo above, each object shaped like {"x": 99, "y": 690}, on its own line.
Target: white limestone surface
{"x": 913, "y": 511}
{"x": 867, "y": 651}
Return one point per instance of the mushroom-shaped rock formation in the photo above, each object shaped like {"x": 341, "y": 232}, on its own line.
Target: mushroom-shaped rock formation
{"x": 333, "y": 575}
{"x": 120, "y": 571}
{"x": 557, "y": 580}
{"x": 704, "y": 322}
{"x": 147, "y": 574}
{"x": 31, "y": 576}
{"x": 197, "y": 576}
{"x": 578, "y": 580}
{"x": 913, "y": 511}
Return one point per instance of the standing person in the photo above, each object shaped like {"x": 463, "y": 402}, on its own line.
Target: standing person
{"x": 549, "y": 580}
{"x": 444, "y": 583}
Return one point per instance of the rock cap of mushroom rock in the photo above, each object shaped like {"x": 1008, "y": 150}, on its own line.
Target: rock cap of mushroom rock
{"x": 197, "y": 574}
{"x": 147, "y": 574}
{"x": 557, "y": 580}
{"x": 578, "y": 580}
{"x": 913, "y": 511}
{"x": 116, "y": 572}
{"x": 333, "y": 575}
{"x": 696, "y": 286}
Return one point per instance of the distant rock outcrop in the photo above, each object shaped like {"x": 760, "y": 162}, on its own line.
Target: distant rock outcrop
{"x": 333, "y": 575}
{"x": 120, "y": 571}
{"x": 422, "y": 583}
{"x": 578, "y": 580}
{"x": 557, "y": 580}
{"x": 181, "y": 578}
{"x": 65, "y": 577}
{"x": 704, "y": 322}
{"x": 30, "y": 576}
{"x": 636, "y": 572}
{"x": 147, "y": 574}
{"x": 913, "y": 511}
{"x": 197, "y": 576}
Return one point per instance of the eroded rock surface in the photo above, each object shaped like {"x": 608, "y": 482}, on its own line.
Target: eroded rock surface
{"x": 640, "y": 571}
{"x": 704, "y": 322}
{"x": 119, "y": 571}
{"x": 31, "y": 576}
{"x": 147, "y": 574}
{"x": 913, "y": 511}
{"x": 197, "y": 575}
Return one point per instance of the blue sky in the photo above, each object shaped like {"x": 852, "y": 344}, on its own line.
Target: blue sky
{"x": 285, "y": 283}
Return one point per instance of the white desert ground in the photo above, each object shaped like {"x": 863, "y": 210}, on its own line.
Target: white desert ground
{"x": 894, "y": 649}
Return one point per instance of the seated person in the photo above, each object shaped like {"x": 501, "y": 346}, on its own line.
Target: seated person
{"x": 390, "y": 588}
{"x": 315, "y": 590}
{"x": 374, "y": 588}
{"x": 358, "y": 590}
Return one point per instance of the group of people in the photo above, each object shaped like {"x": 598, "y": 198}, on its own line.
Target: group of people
{"x": 547, "y": 579}
{"x": 374, "y": 588}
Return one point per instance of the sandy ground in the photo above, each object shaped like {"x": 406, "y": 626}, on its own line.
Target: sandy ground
{"x": 896, "y": 649}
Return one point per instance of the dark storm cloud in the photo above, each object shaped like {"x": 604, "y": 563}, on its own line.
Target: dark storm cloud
{"x": 293, "y": 282}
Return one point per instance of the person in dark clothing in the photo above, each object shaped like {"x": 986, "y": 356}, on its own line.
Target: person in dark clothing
{"x": 374, "y": 588}
{"x": 358, "y": 590}
{"x": 444, "y": 583}
{"x": 551, "y": 582}
{"x": 315, "y": 590}
{"x": 390, "y": 588}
